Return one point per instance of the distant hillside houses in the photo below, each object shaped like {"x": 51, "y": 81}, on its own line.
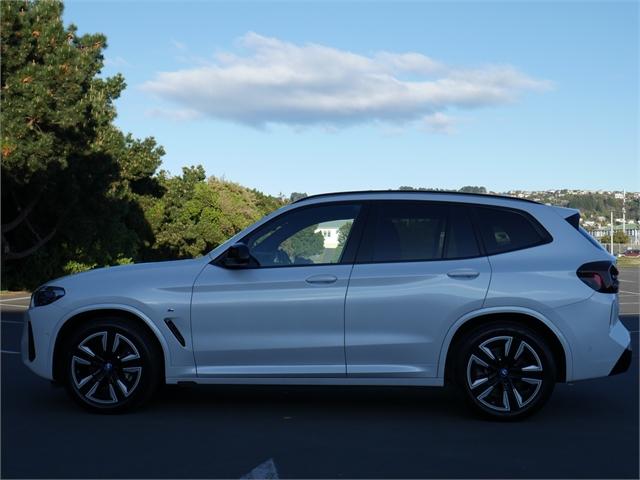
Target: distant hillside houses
{"x": 632, "y": 230}
{"x": 596, "y": 207}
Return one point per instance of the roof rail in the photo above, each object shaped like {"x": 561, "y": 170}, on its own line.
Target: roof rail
{"x": 439, "y": 192}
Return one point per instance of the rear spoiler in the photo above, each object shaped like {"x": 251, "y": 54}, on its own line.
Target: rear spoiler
{"x": 571, "y": 215}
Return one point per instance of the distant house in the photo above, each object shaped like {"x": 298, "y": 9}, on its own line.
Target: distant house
{"x": 330, "y": 231}
{"x": 631, "y": 229}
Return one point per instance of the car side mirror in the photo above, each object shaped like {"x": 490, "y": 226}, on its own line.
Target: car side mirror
{"x": 237, "y": 256}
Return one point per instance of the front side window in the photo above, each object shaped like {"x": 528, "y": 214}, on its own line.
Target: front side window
{"x": 306, "y": 236}
{"x": 505, "y": 230}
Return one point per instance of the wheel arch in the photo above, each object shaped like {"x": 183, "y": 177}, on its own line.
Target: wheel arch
{"x": 530, "y": 318}
{"x": 78, "y": 317}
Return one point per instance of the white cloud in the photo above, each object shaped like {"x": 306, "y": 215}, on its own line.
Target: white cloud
{"x": 276, "y": 82}
{"x": 439, "y": 123}
{"x": 178, "y": 115}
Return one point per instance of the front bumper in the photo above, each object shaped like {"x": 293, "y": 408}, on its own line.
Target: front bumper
{"x": 623, "y": 363}
{"x": 36, "y": 339}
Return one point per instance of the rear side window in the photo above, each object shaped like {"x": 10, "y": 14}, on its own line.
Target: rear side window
{"x": 402, "y": 231}
{"x": 504, "y": 230}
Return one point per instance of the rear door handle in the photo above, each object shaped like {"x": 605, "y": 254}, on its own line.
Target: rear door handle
{"x": 463, "y": 273}
{"x": 322, "y": 279}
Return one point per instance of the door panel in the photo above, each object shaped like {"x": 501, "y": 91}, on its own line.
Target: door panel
{"x": 397, "y": 314}
{"x": 281, "y": 314}
{"x": 418, "y": 270}
{"x": 270, "y": 322}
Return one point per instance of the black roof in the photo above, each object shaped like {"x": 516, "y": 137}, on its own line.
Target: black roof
{"x": 438, "y": 192}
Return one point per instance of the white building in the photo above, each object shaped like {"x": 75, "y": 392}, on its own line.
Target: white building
{"x": 330, "y": 232}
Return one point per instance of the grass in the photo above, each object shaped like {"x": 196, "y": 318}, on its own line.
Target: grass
{"x": 628, "y": 262}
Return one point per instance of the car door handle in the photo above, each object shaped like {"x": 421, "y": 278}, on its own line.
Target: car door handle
{"x": 322, "y": 279}
{"x": 463, "y": 273}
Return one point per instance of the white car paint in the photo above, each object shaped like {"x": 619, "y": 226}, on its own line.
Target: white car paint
{"x": 376, "y": 324}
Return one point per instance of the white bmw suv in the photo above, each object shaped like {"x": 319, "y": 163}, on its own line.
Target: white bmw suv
{"x": 499, "y": 296}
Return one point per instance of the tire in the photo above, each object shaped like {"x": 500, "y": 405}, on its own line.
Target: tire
{"x": 111, "y": 365}
{"x": 505, "y": 370}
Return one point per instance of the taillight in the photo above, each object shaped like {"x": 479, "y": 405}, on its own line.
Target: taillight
{"x": 601, "y": 276}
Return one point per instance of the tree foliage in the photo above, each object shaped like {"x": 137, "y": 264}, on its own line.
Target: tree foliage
{"x": 473, "y": 189}
{"x": 70, "y": 178}
{"x": 196, "y": 215}
{"x": 305, "y": 244}
{"x": 343, "y": 234}
{"x": 295, "y": 196}
{"x": 76, "y": 191}
{"x": 618, "y": 237}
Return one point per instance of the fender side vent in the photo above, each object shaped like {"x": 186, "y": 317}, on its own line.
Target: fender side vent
{"x": 31, "y": 343}
{"x": 175, "y": 331}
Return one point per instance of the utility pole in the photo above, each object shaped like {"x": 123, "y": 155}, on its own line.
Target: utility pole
{"x": 611, "y": 234}
{"x": 624, "y": 212}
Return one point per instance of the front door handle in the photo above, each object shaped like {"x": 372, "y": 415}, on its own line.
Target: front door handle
{"x": 326, "y": 279}
{"x": 463, "y": 273}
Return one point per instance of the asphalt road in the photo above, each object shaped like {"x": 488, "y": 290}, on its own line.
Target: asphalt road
{"x": 588, "y": 429}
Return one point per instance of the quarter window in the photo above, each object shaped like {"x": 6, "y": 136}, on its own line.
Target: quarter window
{"x": 504, "y": 230}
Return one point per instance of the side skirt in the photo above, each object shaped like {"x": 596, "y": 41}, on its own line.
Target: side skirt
{"x": 372, "y": 381}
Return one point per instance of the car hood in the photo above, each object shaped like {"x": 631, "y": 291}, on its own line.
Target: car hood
{"x": 175, "y": 272}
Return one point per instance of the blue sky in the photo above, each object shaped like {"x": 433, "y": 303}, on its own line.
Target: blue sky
{"x": 329, "y": 96}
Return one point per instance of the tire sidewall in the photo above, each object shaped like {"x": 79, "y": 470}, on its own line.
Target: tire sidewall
{"x": 476, "y": 337}
{"x": 150, "y": 377}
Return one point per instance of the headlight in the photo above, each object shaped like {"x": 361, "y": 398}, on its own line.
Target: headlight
{"x": 46, "y": 295}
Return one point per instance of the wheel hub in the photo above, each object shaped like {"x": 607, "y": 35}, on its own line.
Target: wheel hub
{"x": 106, "y": 367}
{"x": 504, "y": 373}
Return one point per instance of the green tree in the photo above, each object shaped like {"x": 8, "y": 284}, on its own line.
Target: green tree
{"x": 618, "y": 237}
{"x": 473, "y": 189}
{"x": 306, "y": 243}
{"x": 343, "y": 234}
{"x": 71, "y": 181}
{"x": 296, "y": 196}
{"x": 196, "y": 215}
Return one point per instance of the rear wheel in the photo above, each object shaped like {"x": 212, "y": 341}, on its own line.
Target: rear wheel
{"x": 111, "y": 365}
{"x": 505, "y": 370}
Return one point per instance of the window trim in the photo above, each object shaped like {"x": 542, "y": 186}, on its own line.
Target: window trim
{"x": 348, "y": 254}
{"x": 466, "y": 208}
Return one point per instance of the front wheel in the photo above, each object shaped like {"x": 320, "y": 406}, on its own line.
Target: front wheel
{"x": 111, "y": 365}
{"x": 505, "y": 370}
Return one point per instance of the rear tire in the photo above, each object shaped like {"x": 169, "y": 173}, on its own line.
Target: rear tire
{"x": 505, "y": 370}
{"x": 111, "y": 365}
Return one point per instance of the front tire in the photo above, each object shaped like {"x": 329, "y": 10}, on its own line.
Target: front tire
{"x": 111, "y": 365}
{"x": 505, "y": 370}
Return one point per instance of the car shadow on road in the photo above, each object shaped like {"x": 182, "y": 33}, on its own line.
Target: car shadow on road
{"x": 346, "y": 399}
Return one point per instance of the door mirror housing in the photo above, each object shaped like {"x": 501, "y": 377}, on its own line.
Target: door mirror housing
{"x": 237, "y": 256}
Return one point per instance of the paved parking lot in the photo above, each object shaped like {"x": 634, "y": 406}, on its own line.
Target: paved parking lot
{"x": 629, "y": 291}
{"x": 588, "y": 429}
